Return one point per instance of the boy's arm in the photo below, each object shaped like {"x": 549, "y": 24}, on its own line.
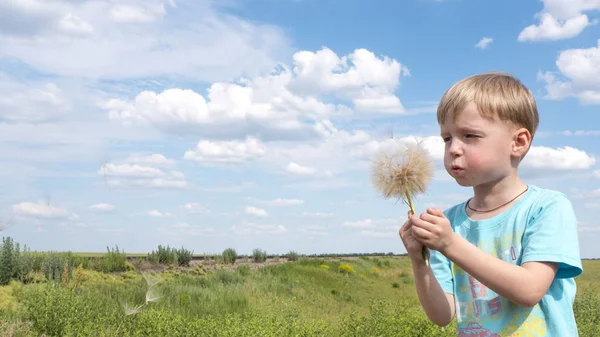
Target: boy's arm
{"x": 431, "y": 294}
{"x": 524, "y": 285}
{"x": 550, "y": 249}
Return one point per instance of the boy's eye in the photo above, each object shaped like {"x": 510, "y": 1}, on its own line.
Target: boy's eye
{"x": 446, "y": 139}
{"x": 472, "y": 136}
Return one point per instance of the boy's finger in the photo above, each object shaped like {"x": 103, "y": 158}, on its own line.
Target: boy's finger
{"x": 406, "y": 226}
{"x": 420, "y": 223}
{"x": 436, "y": 212}
{"x": 419, "y": 234}
{"x": 430, "y": 218}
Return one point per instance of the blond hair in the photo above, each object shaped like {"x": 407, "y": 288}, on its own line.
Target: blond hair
{"x": 496, "y": 95}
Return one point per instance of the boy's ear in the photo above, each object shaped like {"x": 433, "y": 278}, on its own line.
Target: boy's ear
{"x": 521, "y": 142}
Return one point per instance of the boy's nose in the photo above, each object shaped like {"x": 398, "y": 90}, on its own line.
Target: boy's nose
{"x": 455, "y": 149}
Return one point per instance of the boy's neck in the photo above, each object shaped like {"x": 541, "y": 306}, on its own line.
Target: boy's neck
{"x": 494, "y": 194}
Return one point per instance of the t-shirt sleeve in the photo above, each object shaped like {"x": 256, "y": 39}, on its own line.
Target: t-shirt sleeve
{"x": 551, "y": 236}
{"x": 442, "y": 270}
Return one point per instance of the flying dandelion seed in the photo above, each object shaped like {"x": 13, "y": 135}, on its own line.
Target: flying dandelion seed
{"x": 402, "y": 171}
{"x": 151, "y": 295}
{"x": 129, "y": 310}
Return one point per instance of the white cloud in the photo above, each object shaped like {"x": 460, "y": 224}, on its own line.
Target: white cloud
{"x": 256, "y": 211}
{"x": 565, "y": 158}
{"x": 317, "y": 214}
{"x": 225, "y": 152}
{"x": 137, "y": 14}
{"x": 194, "y": 207}
{"x": 283, "y": 105}
{"x": 296, "y": 169}
{"x": 134, "y": 175}
{"x": 73, "y": 25}
{"x": 367, "y": 223}
{"x": 578, "y": 75}
{"x": 42, "y": 210}
{"x": 560, "y": 19}
{"x": 484, "y": 43}
{"x": 361, "y": 76}
{"x": 31, "y": 103}
{"x": 150, "y": 183}
{"x": 596, "y": 174}
{"x": 281, "y": 202}
{"x": 153, "y": 159}
{"x": 157, "y": 213}
{"x": 261, "y": 106}
{"x": 129, "y": 170}
{"x": 194, "y": 39}
{"x": 102, "y": 207}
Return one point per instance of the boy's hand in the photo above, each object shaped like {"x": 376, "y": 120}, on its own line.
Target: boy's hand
{"x": 413, "y": 247}
{"x": 432, "y": 229}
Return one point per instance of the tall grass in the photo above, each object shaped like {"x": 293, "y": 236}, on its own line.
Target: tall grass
{"x": 369, "y": 296}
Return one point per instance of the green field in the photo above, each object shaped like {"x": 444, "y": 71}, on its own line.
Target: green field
{"x": 226, "y": 295}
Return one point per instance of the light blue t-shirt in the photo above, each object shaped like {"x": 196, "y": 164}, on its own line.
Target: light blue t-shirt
{"x": 540, "y": 226}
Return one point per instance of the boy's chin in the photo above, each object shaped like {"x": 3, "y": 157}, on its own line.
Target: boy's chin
{"x": 463, "y": 182}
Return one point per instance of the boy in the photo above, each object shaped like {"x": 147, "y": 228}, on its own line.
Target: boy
{"x": 504, "y": 261}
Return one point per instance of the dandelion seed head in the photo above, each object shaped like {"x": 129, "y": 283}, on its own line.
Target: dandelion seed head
{"x": 130, "y": 310}
{"x": 151, "y": 280}
{"x": 401, "y": 170}
{"x": 152, "y": 296}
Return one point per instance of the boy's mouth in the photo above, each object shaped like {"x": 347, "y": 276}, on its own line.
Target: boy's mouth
{"x": 456, "y": 169}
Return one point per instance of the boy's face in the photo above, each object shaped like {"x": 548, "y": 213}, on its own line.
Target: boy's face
{"x": 477, "y": 150}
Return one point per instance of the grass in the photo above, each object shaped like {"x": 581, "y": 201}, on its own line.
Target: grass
{"x": 330, "y": 296}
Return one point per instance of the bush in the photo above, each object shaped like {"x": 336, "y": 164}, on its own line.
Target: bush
{"x": 171, "y": 256}
{"x": 114, "y": 261}
{"x": 54, "y": 266}
{"x": 259, "y": 255}
{"x": 292, "y": 256}
{"x": 163, "y": 255}
{"x": 229, "y": 256}
{"x": 184, "y": 256}
{"x": 12, "y": 263}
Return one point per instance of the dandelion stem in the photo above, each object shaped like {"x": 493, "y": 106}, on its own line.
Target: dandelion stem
{"x": 425, "y": 251}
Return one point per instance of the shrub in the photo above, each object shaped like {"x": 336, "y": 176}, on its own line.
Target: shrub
{"x": 54, "y": 266}
{"x": 259, "y": 255}
{"x": 292, "y": 256}
{"x": 163, "y": 255}
{"x": 229, "y": 256}
{"x": 170, "y": 256}
{"x": 184, "y": 256}
{"x": 9, "y": 260}
{"x": 113, "y": 261}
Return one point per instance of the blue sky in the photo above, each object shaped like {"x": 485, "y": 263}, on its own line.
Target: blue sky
{"x": 250, "y": 125}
